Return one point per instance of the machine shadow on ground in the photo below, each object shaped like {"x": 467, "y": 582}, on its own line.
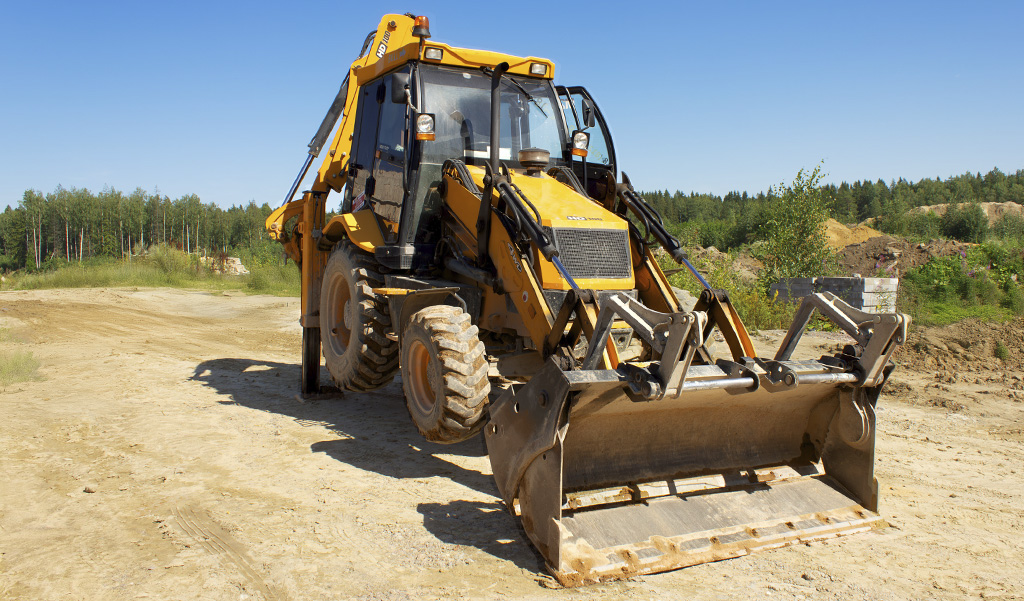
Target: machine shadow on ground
{"x": 486, "y": 526}
{"x": 377, "y": 435}
{"x": 374, "y": 429}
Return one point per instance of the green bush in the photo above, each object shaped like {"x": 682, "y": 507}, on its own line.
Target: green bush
{"x": 793, "y": 235}
{"x": 718, "y": 233}
{"x": 1010, "y": 228}
{"x": 914, "y": 225}
{"x": 967, "y": 223}
{"x": 169, "y": 261}
{"x": 1014, "y": 299}
{"x": 981, "y": 282}
{"x": 757, "y": 310}
{"x": 1001, "y": 351}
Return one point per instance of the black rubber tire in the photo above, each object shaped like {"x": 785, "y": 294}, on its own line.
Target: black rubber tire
{"x": 354, "y": 322}
{"x": 444, "y": 374}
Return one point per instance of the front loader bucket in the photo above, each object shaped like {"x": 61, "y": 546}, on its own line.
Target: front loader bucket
{"x": 609, "y": 485}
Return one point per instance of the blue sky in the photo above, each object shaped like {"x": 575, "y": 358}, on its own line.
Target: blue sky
{"x": 220, "y": 98}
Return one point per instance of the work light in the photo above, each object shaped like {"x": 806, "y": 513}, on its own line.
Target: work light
{"x": 425, "y": 126}
{"x": 580, "y": 143}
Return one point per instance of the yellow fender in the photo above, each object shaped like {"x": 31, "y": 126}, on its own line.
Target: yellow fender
{"x": 361, "y": 228}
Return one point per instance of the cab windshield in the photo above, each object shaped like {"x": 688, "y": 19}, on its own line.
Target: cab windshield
{"x": 460, "y": 100}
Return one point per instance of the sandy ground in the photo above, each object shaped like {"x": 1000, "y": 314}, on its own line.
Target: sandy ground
{"x": 164, "y": 456}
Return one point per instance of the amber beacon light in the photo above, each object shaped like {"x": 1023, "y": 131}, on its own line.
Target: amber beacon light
{"x": 421, "y": 27}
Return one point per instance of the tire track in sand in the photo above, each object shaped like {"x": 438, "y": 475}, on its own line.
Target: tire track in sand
{"x": 216, "y": 540}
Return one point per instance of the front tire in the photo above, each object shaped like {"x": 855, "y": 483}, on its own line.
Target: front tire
{"x": 444, "y": 374}
{"x": 354, "y": 322}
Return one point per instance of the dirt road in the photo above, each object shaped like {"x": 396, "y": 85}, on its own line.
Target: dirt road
{"x": 165, "y": 456}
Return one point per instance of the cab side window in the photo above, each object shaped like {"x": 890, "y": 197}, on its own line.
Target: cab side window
{"x": 597, "y": 152}
{"x": 378, "y": 157}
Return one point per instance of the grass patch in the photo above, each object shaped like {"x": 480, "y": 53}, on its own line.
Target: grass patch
{"x": 981, "y": 282}
{"x": 17, "y": 366}
{"x": 943, "y": 313}
{"x": 757, "y": 310}
{"x": 162, "y": 267}
{"x": 278, "y": 280}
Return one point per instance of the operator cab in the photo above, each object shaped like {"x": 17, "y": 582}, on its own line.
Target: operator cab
{"x": 410, "y": 121}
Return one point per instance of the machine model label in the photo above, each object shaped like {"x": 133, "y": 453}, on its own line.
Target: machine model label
{"x": 382, "y": 48}
{"x": 578, "y": 218}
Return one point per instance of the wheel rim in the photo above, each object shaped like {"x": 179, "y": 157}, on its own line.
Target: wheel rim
{"x": 340, "y": 320}
{"x": 419, "y": 378}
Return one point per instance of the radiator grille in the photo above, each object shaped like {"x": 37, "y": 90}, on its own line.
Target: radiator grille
{"x": 593, "y": 253}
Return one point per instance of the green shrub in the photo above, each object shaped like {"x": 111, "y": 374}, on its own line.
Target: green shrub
{"x": 914, "y": 225}
{"x": 793, "y": 234}
{"x": 168, "y": 260}
{"x": 1014, "y": 299}
{"x": 1009, "y": 227}
{"x": 981, "y": 282}
{"x": 967, "y": 223}
{"x": 1001, "y": 351}
{"x": 756, "y": 309}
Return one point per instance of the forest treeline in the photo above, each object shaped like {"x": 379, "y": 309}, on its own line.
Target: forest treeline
{"x": 735, "y": 219}
{"x": 71, "y": 224}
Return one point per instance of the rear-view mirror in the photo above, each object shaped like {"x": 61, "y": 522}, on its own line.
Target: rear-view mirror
{"x": 588, "y": 113}
{"x": 399, "y": 88}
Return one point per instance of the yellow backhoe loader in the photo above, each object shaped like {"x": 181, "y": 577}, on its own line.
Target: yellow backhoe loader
{"x": 489, "y": 250}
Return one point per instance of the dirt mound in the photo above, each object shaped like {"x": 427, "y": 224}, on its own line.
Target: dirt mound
{"x": 745, "y": 266}
{"x": 840, "y": 236}
{"x": 966, "y": 346}
{"x": 993, "y": 210}
{"x": 893, "y": 256}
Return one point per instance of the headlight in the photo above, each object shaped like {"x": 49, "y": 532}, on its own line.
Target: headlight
{"x": 538, "y": 69}
{"x": 580, "y": 143}
{"x": 433, "y": 54}
{"x": 425, "y": 126}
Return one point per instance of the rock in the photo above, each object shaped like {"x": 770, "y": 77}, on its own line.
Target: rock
{"x": 686, "y": 299}
{"x": 89, "y": 488}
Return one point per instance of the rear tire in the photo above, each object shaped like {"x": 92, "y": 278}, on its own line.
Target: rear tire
{"x": 444, "y": 374}
{"x": 354, "y": 322}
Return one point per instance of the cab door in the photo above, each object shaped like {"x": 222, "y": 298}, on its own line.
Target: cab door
{"x": 593, "y": 170}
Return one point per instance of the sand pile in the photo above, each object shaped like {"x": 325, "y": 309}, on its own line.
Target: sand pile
{"x": 840, "y": 236}
{"x": 993, "y": 210}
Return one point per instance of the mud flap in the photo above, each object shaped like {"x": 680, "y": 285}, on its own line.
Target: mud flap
{"x": 609, "y": 485}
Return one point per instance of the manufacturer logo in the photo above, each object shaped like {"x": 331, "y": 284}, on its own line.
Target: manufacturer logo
{"x": 578, "y": 218}
{"x": 515, "y": 259}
